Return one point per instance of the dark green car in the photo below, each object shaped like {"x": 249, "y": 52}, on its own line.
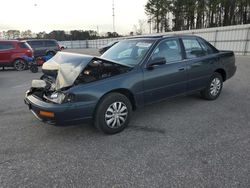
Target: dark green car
{"x": 133, "y": 73}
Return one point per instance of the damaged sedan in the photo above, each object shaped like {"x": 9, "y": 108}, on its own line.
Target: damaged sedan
{"x": 77, "y": 88}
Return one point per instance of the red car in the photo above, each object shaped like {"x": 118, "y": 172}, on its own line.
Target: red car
{"x": 12, "y": 53}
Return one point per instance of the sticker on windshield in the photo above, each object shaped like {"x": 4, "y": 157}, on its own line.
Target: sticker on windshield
{"x": 143, "y": 44}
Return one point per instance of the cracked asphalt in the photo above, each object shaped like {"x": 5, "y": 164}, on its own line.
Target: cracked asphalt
{"x": 184, "y": 142}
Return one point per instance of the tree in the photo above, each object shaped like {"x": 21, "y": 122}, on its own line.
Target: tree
{"x": 157, "y": 11}
{"x": 12, "y": 34}
{"x": 140, "y": 28}
{"x": 190, "y": 14}
{"x": 26, "y": 34}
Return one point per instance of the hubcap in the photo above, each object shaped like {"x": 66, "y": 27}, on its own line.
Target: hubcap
{"x": 116, "y": 115}
{"x": 215, "y": 86}
{"x": 19, "y": 65}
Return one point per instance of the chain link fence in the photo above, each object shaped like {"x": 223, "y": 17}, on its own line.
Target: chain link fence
{"x": 236, "y": 38}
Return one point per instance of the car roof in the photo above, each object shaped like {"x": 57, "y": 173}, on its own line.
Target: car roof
{"x": 9, "y": 40}
{"x": 160, "y": 36}
{"x": 40, "y": 40}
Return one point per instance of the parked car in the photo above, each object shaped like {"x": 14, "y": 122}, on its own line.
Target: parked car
{"x": 42, "y": 47}
{"x": 12, "y": 54}
{"x": 104, "y": 48}
{"x": 134, "y": 73}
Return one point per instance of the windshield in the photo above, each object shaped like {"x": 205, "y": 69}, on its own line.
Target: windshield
{"x": 129, "y": 52}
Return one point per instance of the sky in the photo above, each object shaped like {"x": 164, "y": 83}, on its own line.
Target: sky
{"x": 48, "y": 15}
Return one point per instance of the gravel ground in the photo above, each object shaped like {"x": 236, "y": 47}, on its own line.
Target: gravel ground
{"x": 184, "y": 142}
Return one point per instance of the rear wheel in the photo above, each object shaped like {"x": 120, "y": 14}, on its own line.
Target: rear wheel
{"x": 113, "y": 113}
{"x": 20, "y": 65}
{"x": 214, "y": 87}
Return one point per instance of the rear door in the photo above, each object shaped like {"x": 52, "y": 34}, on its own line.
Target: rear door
{"x": 169, "y": 79}
{"x": 6, "y": 49}
{"x": 199, "y": 62}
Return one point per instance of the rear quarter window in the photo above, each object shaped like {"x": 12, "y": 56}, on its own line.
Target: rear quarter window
{"x": 206, "y": 47}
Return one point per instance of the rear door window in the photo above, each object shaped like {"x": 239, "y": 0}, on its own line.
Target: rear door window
{"x": 193, "y": 48}
{"x": 6, "y": 46}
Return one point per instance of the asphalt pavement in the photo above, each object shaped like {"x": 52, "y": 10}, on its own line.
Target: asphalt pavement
{"x": 183, "y": 142}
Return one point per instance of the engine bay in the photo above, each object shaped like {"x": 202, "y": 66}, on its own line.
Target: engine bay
{"x": 45, "y": 88}
{"x": 100, "y": 69}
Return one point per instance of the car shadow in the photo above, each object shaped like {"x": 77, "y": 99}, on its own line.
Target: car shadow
{"x": 161, "y": 109}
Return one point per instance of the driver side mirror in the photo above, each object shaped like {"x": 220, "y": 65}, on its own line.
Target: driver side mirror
{"x": 156, "y": 61}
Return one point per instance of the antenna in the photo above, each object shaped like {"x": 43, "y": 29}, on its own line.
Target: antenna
{"x": 113, "y": 10}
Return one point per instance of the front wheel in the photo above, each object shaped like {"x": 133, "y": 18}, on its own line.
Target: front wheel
{"x": 20, "y": 65}
{"x": 214, "y": 87}
{"x": 113, "y": 113}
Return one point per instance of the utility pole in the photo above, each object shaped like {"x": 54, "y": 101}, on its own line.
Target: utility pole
{"x": 113, "y": 10}
{"x": 97, "y": 29}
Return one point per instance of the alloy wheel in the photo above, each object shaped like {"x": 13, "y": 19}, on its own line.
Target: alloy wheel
{"x": 215, "y": 86}
{"x": 116, "y": 115}
{"x": 19, "y": 65}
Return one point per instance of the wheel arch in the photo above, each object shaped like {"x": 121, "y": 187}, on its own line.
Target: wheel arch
{"x": 127, "y": 93}
{"x": 222, "y": 72}
{"x": 17, "y": 58}
{"x": 122, "y": 91}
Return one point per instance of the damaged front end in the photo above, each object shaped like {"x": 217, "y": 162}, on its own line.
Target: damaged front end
{"x": 66, "y": 70}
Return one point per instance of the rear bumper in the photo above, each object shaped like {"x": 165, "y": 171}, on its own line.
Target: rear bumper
{"x": 64, "y": 114}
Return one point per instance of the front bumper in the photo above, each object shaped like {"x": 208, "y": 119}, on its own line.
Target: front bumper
{"x": 64, "y": 114}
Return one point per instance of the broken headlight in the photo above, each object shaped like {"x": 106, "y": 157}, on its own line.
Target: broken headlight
{"x": 59, "y": 97}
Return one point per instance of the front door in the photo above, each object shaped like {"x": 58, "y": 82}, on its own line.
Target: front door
{"x": 169, "y": 79}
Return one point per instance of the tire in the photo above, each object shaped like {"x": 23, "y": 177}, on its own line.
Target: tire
{"x": 20, "y": 65}
{"x": 33, "y": 68}
{"x": 214, "y": 87}
{"x": 108, "y": 109}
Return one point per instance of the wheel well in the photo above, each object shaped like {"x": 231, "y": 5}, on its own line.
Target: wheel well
{"x": 222, "y": 72}
{"x": 18, "y": 59}
{"x": 128, "y": 94}
{"x": 125, "y": 92}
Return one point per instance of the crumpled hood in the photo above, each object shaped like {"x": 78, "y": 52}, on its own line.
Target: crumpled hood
{"x": 68, "y": 67}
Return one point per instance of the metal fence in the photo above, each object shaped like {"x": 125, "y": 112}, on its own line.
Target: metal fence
{"x": 236, "y": 38}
